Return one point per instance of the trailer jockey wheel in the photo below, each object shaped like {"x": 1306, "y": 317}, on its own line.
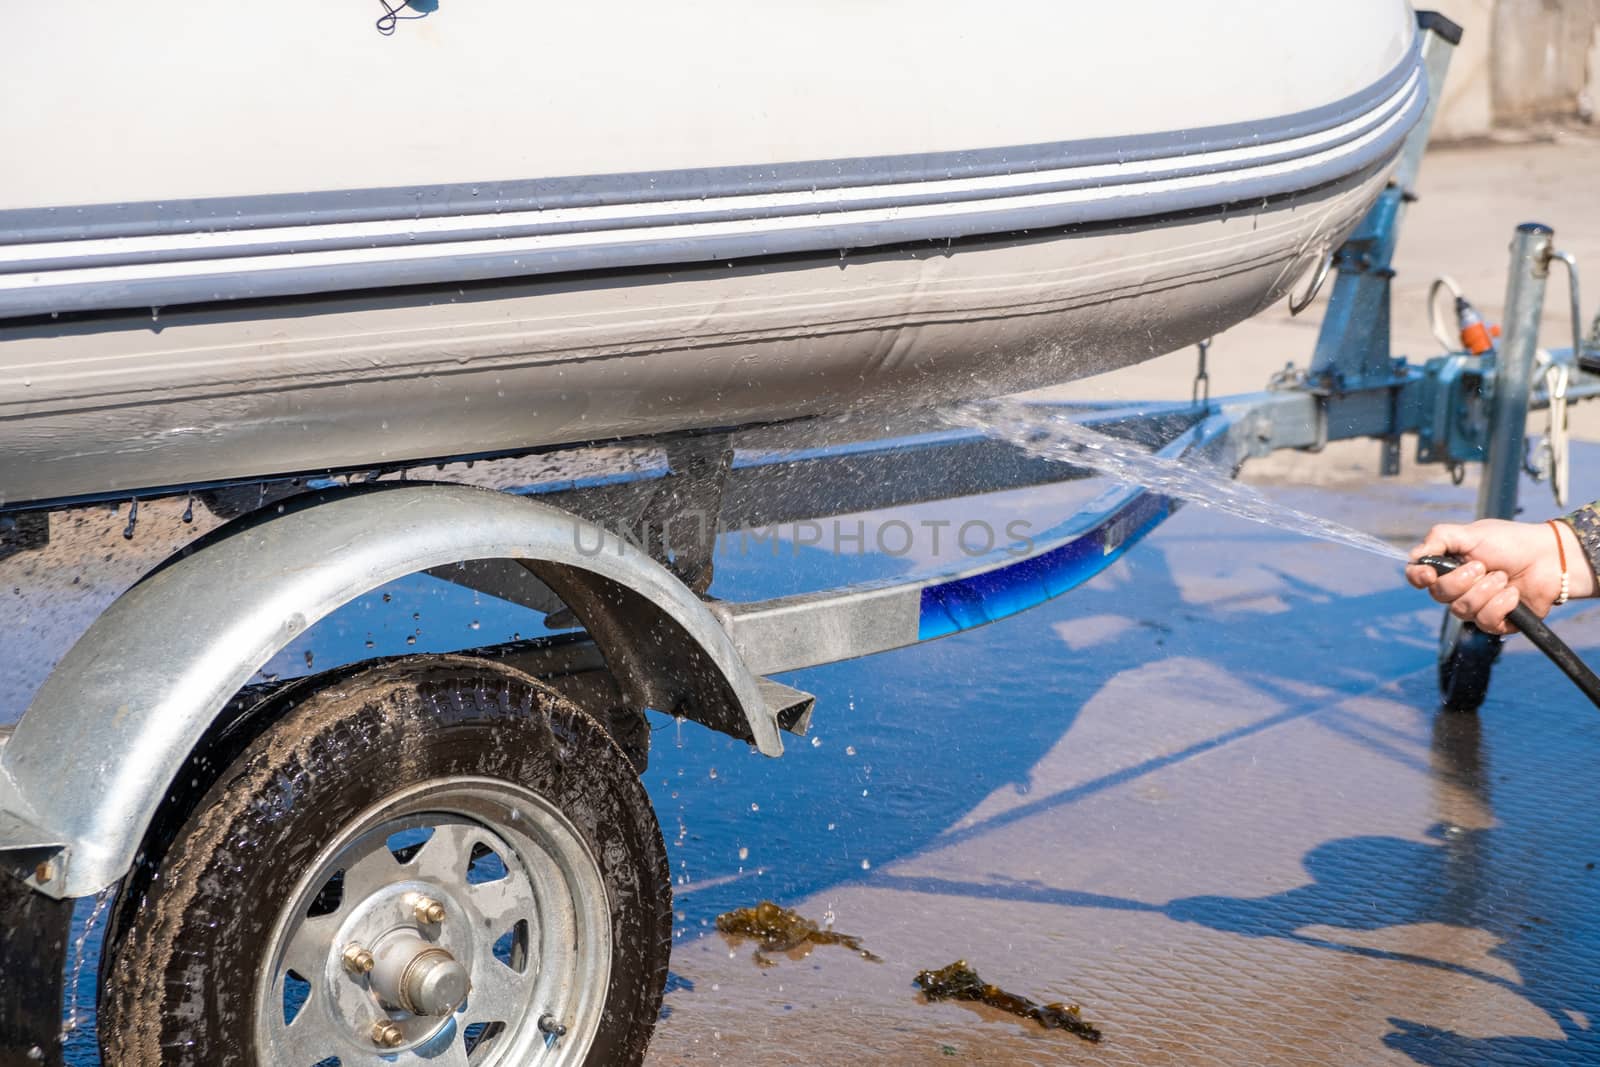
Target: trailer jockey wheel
{"x": 432, "y": 862}
{"x": 1466, "y": 658}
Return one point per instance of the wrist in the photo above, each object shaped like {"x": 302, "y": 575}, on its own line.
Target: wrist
{"x": 1580, "y": 572}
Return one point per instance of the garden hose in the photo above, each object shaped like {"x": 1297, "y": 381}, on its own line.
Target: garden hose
{"x": 1543, "y": 639}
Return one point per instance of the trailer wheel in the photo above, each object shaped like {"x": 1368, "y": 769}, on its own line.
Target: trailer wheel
{"x": 437, "y": 861}
{"x": 1466, "y": 659}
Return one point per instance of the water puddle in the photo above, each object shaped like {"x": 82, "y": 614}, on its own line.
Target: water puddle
{"x": 1056, "y": 435}
{"x": 960, "y": 982}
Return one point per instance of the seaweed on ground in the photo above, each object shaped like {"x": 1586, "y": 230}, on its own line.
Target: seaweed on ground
{"x": 777, "y": 929}
{"x": 960, "y": 982}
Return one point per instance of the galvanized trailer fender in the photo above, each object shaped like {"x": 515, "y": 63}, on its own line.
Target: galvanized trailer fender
{"x": 92, "y": 759}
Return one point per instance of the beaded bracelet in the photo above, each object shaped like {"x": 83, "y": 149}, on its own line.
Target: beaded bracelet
{"x": 1561, "y": 553}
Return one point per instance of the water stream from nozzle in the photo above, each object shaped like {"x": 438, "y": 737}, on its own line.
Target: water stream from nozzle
{"x": 1055, "y": 435}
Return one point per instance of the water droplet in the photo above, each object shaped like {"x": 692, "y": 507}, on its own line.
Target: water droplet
{"x": 73, "y": 1019}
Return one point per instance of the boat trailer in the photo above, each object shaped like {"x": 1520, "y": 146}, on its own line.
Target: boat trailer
{"x": 95, "y": 770}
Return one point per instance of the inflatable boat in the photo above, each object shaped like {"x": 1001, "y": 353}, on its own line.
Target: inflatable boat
{"x": 242, "y": 242}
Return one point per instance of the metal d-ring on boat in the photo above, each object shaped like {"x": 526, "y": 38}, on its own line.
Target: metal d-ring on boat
{"x": 1299, "y": 303}
{"x": 464, "y": 239}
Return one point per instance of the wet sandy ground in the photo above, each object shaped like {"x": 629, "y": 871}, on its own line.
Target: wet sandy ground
{"x": 1208, "y": 797}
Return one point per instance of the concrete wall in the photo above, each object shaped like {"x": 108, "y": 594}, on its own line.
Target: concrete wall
{"x": 1521, "y": 63}
{"x": 1467, "y": 109}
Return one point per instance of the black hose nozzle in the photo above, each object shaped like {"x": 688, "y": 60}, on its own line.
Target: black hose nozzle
{"x": 1523, "y": 618}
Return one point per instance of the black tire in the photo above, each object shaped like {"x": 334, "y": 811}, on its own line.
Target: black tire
{"x": 179, "y": 986}
{"x": 1466, "y": 660}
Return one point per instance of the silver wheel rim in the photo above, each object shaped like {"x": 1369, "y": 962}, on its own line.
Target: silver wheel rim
{"x": 523, "y": 924}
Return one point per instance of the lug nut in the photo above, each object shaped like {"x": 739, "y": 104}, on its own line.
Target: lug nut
{"x": 357, "y": 960}
{"x": 428, "y": 910}
{"x": 386, "y": 1034}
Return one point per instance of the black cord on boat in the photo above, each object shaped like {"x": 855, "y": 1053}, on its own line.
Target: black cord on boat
{"x": 391, "y": 16}
{"x": 1523, "y": 618}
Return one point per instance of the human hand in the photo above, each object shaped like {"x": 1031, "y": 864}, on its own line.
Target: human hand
{"x": 1504, "y": 564}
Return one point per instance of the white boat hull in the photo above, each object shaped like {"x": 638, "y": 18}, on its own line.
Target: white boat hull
{"x": 220, "y": 322}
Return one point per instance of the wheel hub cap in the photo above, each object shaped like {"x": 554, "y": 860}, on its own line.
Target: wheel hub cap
{"x": 442, "y": 927}
{"x": 420, "y": 978}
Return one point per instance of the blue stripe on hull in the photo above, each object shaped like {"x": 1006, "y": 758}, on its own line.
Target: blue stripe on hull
{"x": 970, "y": 602}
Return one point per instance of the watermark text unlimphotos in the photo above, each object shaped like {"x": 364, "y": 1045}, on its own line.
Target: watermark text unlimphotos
{"x": 690, "y": 532}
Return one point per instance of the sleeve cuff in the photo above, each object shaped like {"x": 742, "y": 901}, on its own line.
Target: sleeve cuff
{"x": 1585, "y": 522}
